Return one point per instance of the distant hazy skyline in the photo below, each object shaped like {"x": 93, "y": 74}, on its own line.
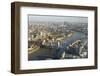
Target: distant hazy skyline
{"x": 46, "y": 18}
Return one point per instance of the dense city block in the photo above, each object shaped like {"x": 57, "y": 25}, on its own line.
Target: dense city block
{"x": 49, "y": 40}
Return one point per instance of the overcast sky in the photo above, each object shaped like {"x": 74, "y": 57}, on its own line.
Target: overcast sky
{"x": 40, "y": 18}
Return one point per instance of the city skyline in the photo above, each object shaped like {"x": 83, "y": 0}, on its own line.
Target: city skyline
{"x": 57, "y": 37}
{"x": 48, "y": 18}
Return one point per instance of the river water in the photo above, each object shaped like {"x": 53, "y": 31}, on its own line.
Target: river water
{"x": 67, "y": 42}
{"x": 73, "y": 38}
